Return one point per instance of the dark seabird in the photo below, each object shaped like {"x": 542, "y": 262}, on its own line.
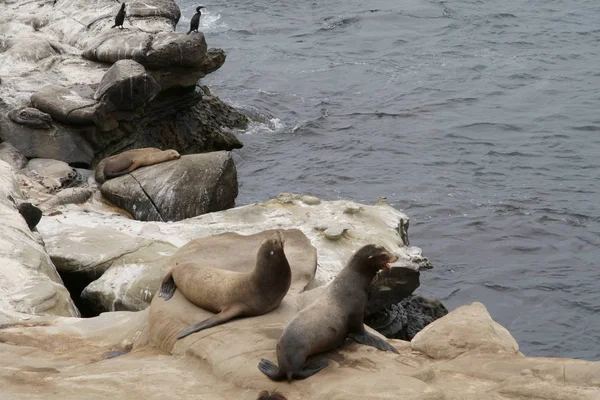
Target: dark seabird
{"x": 195, "y": 22}
{"x": 120, "y": 18}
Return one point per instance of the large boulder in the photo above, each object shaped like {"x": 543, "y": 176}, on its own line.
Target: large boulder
{"x": 58, "y": 142}
{"x": 174, "y": 190}
{"x": 126, "y": 86}
{"x": 65, "y": 105}
{"x": 468, "y": 328}
{"x": 12, "y": 156}
{"x": 51, "y": 174}
{"x": 29, "y": 282}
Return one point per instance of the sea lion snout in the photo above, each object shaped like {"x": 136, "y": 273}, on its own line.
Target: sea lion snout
{"x": 174, "y": 154}
{"x": 277, "y": 240}
{"x": 391, "y": 258}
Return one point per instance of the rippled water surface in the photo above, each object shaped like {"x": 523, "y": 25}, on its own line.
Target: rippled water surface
{"x": 480, "y": 119}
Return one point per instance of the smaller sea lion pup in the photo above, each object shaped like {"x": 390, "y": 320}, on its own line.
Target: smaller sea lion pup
{"x": 327, "y": 322}
{"x": 233, "y": 294}
{"x": 130, "y": 160}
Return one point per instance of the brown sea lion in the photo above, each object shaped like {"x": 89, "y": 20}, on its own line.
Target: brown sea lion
{"x": 127, "y": 161}
{"x": 233, "y": 294}
{"x": 327, "y": 322}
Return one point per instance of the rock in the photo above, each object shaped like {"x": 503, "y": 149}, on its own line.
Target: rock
{"x": 52, "y": 174}
{"x": 391, "y": 287}
{"x": 310, "y": 200}
{"x": 29, "y": 282}
{"x": 92, "y": 356}
{"x": 174, "y": 190}
{"x": 352, "y": 208}
{"x": 403, "y": 320}
{"x": 335, "y": 231}
{"x": 131, "y": 281}
{"x": 12, "y": 156}
{"x": 77, "y": 235}
{"x": 468, "y": 328}
{"x": 29, "y": 49}
{"x": 32, "y": 117}
{"x": 64, "y": 105}
{"x": 126, "y": 86}
{"x": 160, "y": 50}
{"x": 59, "y": 142}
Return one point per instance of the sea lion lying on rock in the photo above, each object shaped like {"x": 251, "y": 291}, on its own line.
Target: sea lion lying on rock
{"x": 327, "y": 322}
{"x": 127, "y": 161}
{"x": 233, "y": 294}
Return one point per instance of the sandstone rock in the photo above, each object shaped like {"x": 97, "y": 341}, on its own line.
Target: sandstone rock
{"x": 12, "y": 156}
{"x": 64, "y": 105}
{"x": 67, "y": 196}
{"x": 29, "y": 282}
{"x": 468, "y": 328}
{"x": 91, "y": 356}
{"x": 52, "y": 174}
{"x": 58, "y": 142}
{"x": 126, "y": 86}
{"x": 375, "y": 224}
{"x": 132, "y": 280}
{"x": 178, "y": 189}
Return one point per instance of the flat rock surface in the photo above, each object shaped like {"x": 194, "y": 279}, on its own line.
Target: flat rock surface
{"x": 62, "y": 358}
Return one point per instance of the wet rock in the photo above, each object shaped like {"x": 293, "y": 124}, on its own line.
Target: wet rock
{"x": 29, "y": 49}
{"x": 391, "y": 287}
{"x": 12, "y": 156}
{"x": 468, "y": 328}
{"x": 403, "y": 320}
{"x": 65, "y": 105}
{"x": 126, "y": 86}
{"x": 175, "y": 190}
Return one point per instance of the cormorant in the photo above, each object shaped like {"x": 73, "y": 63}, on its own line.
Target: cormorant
{"x": 120, "y": 18}
{"x": 195, "y": 22}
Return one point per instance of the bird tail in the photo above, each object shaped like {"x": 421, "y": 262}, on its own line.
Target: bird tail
{"x": 189, "y": 32}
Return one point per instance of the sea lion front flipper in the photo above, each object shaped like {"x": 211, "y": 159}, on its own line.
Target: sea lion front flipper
{"x": 371, "y": 340}
{"x": 167, "y": 287}
{"x": 311, "y": 369}
{"x": 218, "y": 319}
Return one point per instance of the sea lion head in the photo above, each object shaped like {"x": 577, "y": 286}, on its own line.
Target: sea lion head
{"x": 264, "y": 395}
{"x": 173, "y": 154}
{"x": 273, "y": 245}
{"x": 372, "y": 258}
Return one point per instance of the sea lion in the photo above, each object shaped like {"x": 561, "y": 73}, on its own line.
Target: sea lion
{"x": 127, "y": 161}
{"x": 233, "y": 294}
{"x": 326, "y": 323}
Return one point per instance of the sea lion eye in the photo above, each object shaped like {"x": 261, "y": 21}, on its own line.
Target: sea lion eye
{"x": 272, "y": 252}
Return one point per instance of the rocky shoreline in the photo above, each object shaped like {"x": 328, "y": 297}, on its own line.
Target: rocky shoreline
{"x": 78, "y": 311}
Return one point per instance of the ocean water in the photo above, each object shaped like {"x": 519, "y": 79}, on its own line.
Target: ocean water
{"x": 480, "y": 119}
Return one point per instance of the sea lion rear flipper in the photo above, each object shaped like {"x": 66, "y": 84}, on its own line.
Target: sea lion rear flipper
{"x": 222, "y": 317}
{"x": 167, "y": 287}
{"x": 271, "y": 370}
{"x": 311, "y": 369}
{"x": 371, "y": 340}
